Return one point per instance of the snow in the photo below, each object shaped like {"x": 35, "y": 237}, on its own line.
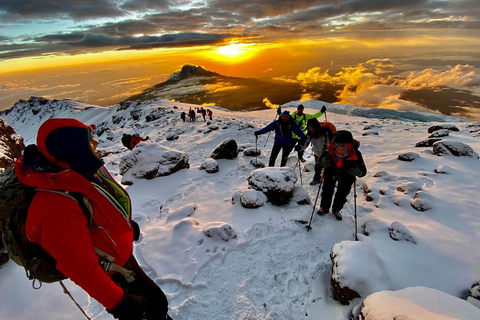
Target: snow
{"x": 275, "y": 268}
{"x": 417, "y": 303}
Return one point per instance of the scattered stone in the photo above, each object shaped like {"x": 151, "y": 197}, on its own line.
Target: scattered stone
{"x": 228, "y": 149}
{"x": 300, "y": 196}
{"x": 373, "y": 226}
{"x": 149, "y": 160}
{"x": 357, "y": 271}
{"x": 370, "y": 133}
{"x": 427, "y": 143}
{"x": 399, "y": 232}
{"x": 439, "y": 133}
{"x": 408, "y": 156}
{"x": 443, "y": 169}
{"x": 372, "y": 126}
{"x": 210, "y": 165}
{"x": 409, "y": 187}
{"x": 455, "y": 148}
{"x": 450, "y": 127}
{"x": 381, "y": 174}
{"x": 249, "y": 198}
{"x": 213, "y": 127}
{"x": 277, "y": 183}
{"x": 252, "y": 152}
{"x": 182, "y": 212}
{"x": 186, "y": 224}
{"x": 422, "y": 201}
{"x": 257, "y": 163}
{"x": 245, "y": 146}
{"x": 474, "y": 294}
{"x": 171, "y": 136}
{"x": 219, "y": 230}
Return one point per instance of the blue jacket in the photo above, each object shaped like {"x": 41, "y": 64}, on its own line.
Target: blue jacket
{"x": 281, "y": 136}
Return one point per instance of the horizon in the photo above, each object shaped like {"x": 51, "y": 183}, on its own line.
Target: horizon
{"x": 420, "y": 56}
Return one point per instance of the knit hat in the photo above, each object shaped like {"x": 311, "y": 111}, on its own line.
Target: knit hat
{"x": 286, "y": 112}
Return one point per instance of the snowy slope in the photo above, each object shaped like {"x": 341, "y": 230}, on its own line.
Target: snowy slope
{"x": 274, "y": 269}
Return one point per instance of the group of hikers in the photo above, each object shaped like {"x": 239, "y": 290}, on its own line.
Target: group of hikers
{"x": 337, "y": 158}
{"x": 192, "y": 115}
{"x": 91, "y": 238}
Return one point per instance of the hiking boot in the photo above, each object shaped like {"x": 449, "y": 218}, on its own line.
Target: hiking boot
{"x": 314, "y": 182}
{"x": 337, "y": 215}
{"x": 322, "y": 212}
{"x": 303, "y": 160}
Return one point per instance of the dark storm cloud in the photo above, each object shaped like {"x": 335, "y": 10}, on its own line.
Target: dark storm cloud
{"x": 76, "y": 9}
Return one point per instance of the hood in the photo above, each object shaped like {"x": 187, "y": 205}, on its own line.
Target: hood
{"x": 66, "y": 143}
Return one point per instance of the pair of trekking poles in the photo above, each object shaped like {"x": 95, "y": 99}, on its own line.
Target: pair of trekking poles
{"x": 309, "y": 226}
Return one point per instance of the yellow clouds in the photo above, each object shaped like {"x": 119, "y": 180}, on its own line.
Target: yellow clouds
{"x": 220, "y": 86}
{"x": 458, "y": 76}
{"x": 267, "y": 102}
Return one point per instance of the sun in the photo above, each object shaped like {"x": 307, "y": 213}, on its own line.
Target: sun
{"x": 233, "y": 52}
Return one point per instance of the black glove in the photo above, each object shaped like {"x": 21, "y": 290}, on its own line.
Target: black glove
{"x": 256, "y": 134}
{"x": 132, "y": 307}
{"x": 299, "y": 148}
{"x": 323, "y": 109}
{"x": 327, "y": 162}
{"x": 355, "y": 171}
{"x": 279, "y": 110}
{"x": 147, "y": 137}
{"x": 136, "y": 231}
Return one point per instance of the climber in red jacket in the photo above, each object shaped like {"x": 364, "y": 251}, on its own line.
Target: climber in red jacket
{"x": 64, "y": 160}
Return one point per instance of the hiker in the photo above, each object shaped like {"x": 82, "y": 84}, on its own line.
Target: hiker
{"x": 210, "y": 114}
{"x": 204, "y": 113}
{"x": 301, "y": 119}
{"x": 183, "y": 115}
{"x": 192, "y": 115}
{"x": 136, "y": 139}
{"x": 284, "y": 127}
{"x": 319, "y": 137}
{"x": 65, "y": 162}
{"x": 342, "y": 163}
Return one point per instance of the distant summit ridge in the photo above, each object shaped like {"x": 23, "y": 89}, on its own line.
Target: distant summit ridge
{"x": 190, "y": 70}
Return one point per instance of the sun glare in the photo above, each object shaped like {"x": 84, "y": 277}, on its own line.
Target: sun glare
{"x": 233, "y": 52}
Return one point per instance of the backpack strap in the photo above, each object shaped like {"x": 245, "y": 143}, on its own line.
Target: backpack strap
{"x": 106, "y": 261}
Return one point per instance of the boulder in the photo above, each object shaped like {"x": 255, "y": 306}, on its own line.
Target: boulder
{"x": 277, "y": 183}
{"x": 171, "y": 136}
{"x": 228, "y": 149}
{"x": 182, "y": 212}
{"x": 443, "y": 169}
{"x": 455, "y": 148}
{"x": 252, "y": 152}
{"x": 219, "y": 230}
{"x": 300, "y": 196}
{"x": 249, "y": 198}
{"x": 399, "y": 232}
{"x": 427, "y": 143}
{"x": 450, "y": 127}
{"x": 422, "y": 201}
{"x": 357, "y": 271}
{"x": 210, "y": 165}
{"x": 257, "y": 163}
{"x": 416, "y": 303}
{"x": 370, "y": 133}
{"x": 149, "y": 160}
{"x": 474, "y": 294}
{"x": 440, "y": 133}
{"x": 244, "y": 146}
{"x": 408, "y": 156}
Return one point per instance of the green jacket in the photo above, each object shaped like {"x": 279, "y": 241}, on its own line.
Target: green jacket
{"x": 302, "y": 121}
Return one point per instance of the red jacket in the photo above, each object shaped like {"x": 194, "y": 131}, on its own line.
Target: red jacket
{"x": 58, "y": 224}
{"x": 136, "y": 140}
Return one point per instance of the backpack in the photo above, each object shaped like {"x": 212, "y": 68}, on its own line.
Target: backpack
{"x": 344, "y": 136}
{"x": 126, "y": 140}
{"x": 15, "y": 199}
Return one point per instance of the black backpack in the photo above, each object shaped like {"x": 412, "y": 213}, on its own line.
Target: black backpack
{"x": 15, "y": 199}
{"x": 126, "y": 140}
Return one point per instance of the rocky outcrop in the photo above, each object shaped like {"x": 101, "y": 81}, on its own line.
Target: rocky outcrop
{"x": 449, "y": 127}
{"x": 276, "y": 183}
{"x": 427, "y": 143}
{"x": 210, "y": 165}
{"x": 408, "y": 156}
{"x": 11, "y": 145}
{"x": 439, "y": 133}
{"x": 455, "y": 148}
{"x": 228, "y": 149}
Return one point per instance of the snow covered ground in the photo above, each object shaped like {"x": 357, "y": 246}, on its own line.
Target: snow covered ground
{"x": 274, "y": 268}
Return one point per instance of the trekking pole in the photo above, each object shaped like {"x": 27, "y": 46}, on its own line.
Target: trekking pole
{"x": 355, "y": 205}
{"x": 256, "y": 149}
{"x": 315, "y": 204}
{"x": 300, "y": 171}
{"x": 65, "y": 290}
{"x": 325, "y": 113}
{"x": 269, "y": 133}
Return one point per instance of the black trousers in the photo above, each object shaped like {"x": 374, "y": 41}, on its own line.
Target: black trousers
{"x": 343, "y": 189}
{"x": 145, "y": 287}
{"x": 287, "y": 148}
{"x": 300, "y": 142}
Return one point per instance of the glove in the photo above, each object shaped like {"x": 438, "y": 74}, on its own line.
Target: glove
{"x": 279, "y": 110}
{"x": 132, "y": 307}
{"x": 299, "y": 148}
{"x": 355, "y": 171}
{"x": 136, "y": 231}
{"x": 326, "y": 162}
{"x": 323, "y": 109}
{"x": 256, "y": 134}
{"x": 147, "y": 137}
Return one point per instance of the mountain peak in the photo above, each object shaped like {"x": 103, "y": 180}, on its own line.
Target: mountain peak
{"x": 189, "y": 70}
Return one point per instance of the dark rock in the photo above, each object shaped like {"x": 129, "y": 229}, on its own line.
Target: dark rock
{"x": 409, "y": 156}
{"x": 427, "y": 143}
{"x": 455, "y": 148}
{"x": 228, "y": 149}
{"x": 474, "y": 294}
{"x": 450, "y": 127}
{"x": 210, "y": 165}
{"x": 370, "y": 133}
{"x": 276, "y": 183}
{"x": 252, "y": 152}
{"x": 421, "y": 202}
{"x": 399, "y": 232}
{"x": 439, "y": 133}
{"x": 11, "y": 144}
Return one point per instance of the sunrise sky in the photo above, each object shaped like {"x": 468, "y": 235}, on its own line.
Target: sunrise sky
{"x": 102, "y": 51}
